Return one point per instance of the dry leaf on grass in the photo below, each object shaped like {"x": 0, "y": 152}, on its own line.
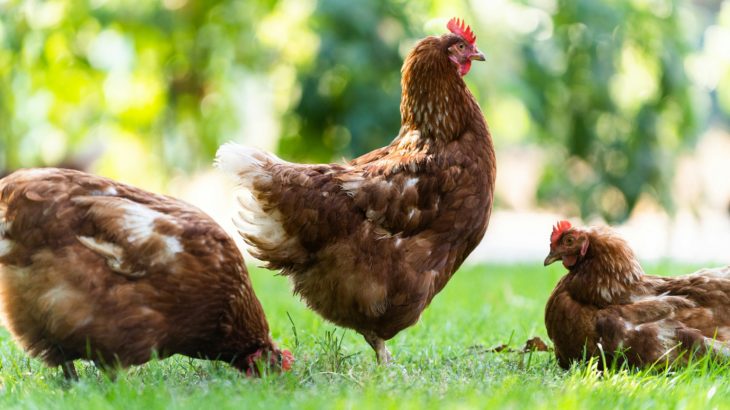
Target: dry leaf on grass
{"x": 535, "y": 344}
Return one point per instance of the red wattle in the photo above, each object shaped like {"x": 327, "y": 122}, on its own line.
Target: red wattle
{"x": 465, "y": 67}
{"x": 569, "y": 260}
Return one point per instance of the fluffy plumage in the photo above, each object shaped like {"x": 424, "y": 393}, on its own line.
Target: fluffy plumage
{"x": 95, "y": 269}
{"x": 607, "y": 302}
{"x": 369, "y": 243}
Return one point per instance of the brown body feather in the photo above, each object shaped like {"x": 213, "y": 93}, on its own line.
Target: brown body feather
{"x": 369, "y": 243}
{"x": 92, "y": 268}
{"x": 607, "y": 302}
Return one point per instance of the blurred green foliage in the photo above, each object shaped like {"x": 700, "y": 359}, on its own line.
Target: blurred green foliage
{"x": 353, "y": 86}
{"x": 140, "y": 86}
{"x": 350, "y": 93}
{"x": 611, "y": 88}
{"x": 611, "y": 91}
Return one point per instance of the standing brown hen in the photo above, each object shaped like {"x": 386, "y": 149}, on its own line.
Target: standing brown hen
{"x": 369, "y": 243}
{"x": 607, "y": 303}
{"x": 95, "y": 269}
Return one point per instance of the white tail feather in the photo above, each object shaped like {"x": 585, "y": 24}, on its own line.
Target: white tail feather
{"x": 4, "y": 224}
{"x": 6, "y": 245}
{"x": 256, "y": 226}
{"x": 241, "y": 161}
{"x": 254, "y": 223}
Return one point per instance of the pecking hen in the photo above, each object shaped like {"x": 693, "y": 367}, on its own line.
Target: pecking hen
{"x": 94, "y": 269}
{"x": 368, "y": 244}
{"x": 606, "y": 304}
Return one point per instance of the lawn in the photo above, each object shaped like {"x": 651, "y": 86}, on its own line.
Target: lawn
{"x": 437, "y": 362}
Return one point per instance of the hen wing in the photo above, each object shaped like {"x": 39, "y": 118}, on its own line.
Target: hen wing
{"x": 135, "y": 233}
{"x": 289, "y": 211}
{"x": 133, "y": 238}
{"x": 689, "y": 312}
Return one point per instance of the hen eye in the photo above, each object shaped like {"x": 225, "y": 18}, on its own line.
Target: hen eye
{"x": 461, "y": 46}
{"x": 569, "y": 241}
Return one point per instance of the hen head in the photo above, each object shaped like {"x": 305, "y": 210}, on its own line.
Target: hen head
{"x": 460, "y": 45}
{"x": 277, "y": 360}
{"x": 567, "y": 244}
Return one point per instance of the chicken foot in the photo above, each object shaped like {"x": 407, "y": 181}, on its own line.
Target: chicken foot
{"x": 378, "y": 344}
{"x": 69, "y": 370}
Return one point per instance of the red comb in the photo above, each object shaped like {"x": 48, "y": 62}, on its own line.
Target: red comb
{"x": 558, "y": 230}
{"x": 458, "y": 27}
{"x": 286, "y": 360}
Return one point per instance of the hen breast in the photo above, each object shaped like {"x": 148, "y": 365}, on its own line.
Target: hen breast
{"x": 92, "y": 268}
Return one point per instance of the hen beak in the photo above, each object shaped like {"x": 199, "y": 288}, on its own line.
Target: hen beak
{"x": 552, "y": 258}
{"x": 477, "y": 55}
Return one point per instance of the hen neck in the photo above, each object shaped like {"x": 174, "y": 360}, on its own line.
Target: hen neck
{"x": 435, "y": 102}
{"x": 608, "y": 274}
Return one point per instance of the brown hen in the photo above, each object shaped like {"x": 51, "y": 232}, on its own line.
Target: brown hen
{"x": 369, "y": 243}
{"x": 91, "y": 268}
{"x": 606, "y": 304}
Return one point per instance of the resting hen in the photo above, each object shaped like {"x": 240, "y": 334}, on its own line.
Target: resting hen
{"x": 368, "y": 244}
{"x": 607, "y": 303}
{"x": 91, "y": 268}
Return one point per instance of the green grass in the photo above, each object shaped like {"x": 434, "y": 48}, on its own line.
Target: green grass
{"x": 434, "y": 364}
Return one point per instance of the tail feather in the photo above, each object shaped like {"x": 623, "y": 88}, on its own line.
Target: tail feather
{"x": 258, "y": 222}
{"x": 5, "y": 244}
{"x": 4, "y": 224}
{"x": 243, "y": 162}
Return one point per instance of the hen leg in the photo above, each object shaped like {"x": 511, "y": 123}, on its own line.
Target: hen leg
{"x": 378, "y": 344}
{"x": 69, "y": 370}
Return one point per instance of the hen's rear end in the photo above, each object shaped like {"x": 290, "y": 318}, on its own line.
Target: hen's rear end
{"x": 95, "y": 269}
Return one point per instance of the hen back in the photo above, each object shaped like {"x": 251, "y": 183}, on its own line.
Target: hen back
{"x": 370, "y": 242}
{"x": 92, "y": 268}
